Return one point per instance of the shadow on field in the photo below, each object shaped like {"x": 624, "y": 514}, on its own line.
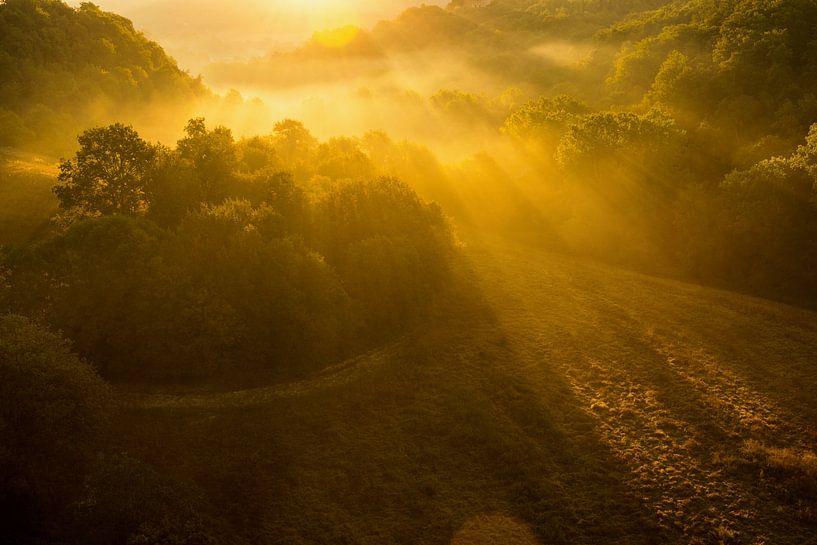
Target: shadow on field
{"x": 437, "y": 440}
{"x": 545, "y": 401}
{"x": 708, "y": 447}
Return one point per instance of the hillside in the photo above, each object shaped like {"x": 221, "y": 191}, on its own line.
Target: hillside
{"x": 474, "y": 45}
{"x": 312, "y": 318}
{"x": 65, "y": 69}
{"x": 26, "y": 201}
{"x": 559, "y": 402}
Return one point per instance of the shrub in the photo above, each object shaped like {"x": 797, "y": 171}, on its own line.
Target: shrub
{"x": 52, "y": 407}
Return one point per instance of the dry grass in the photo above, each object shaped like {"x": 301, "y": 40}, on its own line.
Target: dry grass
{"x": 785, "y": 460}
{"x": 494, "y": 529}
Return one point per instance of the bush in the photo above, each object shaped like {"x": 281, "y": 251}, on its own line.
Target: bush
{"x": 125, "y": 502}
{"x": 52, "y": 408}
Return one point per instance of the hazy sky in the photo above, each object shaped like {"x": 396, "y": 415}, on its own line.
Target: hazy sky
{"x": 197, "y": 32}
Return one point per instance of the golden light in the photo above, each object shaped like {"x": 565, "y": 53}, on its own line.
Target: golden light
{"x": 312, "y": 4}
{"x": 323, "y": 11}
{"x": 336, "y": 38}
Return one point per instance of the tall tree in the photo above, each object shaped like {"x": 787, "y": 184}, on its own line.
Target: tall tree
{"x": 109, "y": 174}
{"x": 213, "y": 156}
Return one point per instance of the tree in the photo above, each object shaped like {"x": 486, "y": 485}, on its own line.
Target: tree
{"x": 52, "y": 405}
{"x": 544, "y": 120}
{"x": 342, "y": 159}
{"x": 214, "y": 157}
{"x": 296, "y": 147}
{"x": 109, "y": 174}
{"x": 607, "y": 149}
{"x": 126, "y": 502}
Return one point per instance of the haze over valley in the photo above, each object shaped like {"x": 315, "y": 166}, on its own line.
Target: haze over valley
{"x": 525, "y": 272}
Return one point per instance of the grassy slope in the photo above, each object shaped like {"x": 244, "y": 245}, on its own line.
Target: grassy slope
{"x": 26, "y": 200}
{"x": 560, "y": 402}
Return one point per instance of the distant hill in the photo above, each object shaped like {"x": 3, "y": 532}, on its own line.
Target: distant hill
{"x": 64, "y": 68}
{"x": 496, "y": 39}
{"x": 747, "y": 67}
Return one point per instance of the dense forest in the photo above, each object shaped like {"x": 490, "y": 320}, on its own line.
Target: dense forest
{"x": 650, "y": 134}
{"x": 64, "y": 68}
{"x": 204, "y": 259}
{"x": 258, "y": 267}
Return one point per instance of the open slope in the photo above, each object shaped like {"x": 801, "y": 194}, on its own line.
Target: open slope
{"x": 557, "y": 401}
{"x": 26, "y": 201}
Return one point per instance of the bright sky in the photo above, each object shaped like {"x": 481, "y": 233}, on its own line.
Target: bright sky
{"x": 198, "y": 32}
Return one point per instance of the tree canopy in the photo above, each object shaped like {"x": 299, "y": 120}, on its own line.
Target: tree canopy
{"x": 109, "y": 174}
{"x": 63, "y": 66}
{"x": 52, "y": 408}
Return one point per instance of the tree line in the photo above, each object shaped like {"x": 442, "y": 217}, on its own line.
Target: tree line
{"x": 202, "y": 263}
{"x": 207, "y": 260}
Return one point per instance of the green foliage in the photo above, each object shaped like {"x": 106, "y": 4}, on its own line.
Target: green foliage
{"x": 427, "y": 26}
{"x": 764, "y": 218}
{"x": 271, "y": 257}
{"x": 680, "y": 86}
{"x": 544, "y": 119}
{"x": 180, "y": 265}
{"x": 639, "y": 64}
{"x": 357, "y": 211}
{"x": 213, "y": 297}
{"x": 292, "y": 309}
{"x": 342, "y": 159}
{"x": 13, "y": 130}
{"x": 257, "y": 153}
{"x": 279, "y": 191}
{"x": 110, "y": 173}
{"x": 64, "y": 66}
{"x": 174, "y": 189}
{"x": 296, "y": 146}
{"x": 391, "y": 249}
{"x": 391, "y": 277}
{"x": 213, "y": 157}
{"x": 610, "y": 149}
{"x": 464, "y": 107}
{"x": 125, "y": 502}
{"x": 52, "y": 408}
{"x": 768, "y": 47}
{"x": 103, "y": 284}
{"x": 745, "y": 66}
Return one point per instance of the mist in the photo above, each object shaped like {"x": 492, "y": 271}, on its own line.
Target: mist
{"x": 200, "y": 32}
{"x": 465, "y": 272}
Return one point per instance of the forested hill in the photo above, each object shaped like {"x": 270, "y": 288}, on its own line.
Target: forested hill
{"x": 65, "y": 69}
{"x": 497, "y": 39}
{"x": 744, "y": 68}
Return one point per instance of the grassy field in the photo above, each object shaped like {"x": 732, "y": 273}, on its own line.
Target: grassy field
{"x": 26, "y": 200}
{"x": 551, "y": 401}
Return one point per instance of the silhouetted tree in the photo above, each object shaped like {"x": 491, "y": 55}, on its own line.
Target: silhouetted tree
{"x": 109, "y": 174}
{"x": 214, "y": 157}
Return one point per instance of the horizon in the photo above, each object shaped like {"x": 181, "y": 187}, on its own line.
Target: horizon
{"x": 220, "y": 31}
